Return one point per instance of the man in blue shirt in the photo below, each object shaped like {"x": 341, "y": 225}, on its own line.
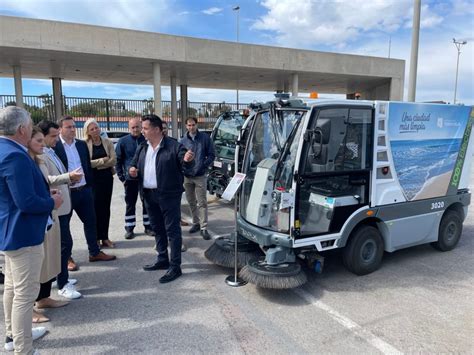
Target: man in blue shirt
{"x": 25, "y": 208}
{"x": 125, "y": 151}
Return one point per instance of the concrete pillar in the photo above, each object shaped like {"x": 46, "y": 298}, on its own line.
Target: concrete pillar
{"x": 184, "y": 107}
{"x": 157, "y": 88}
{"x": 174, "y": 108}
{"x": 415, "y": 36}
{"x": 57, "y": 99}
{"x": 396, "y": 89}
{"x": 18, "y": 85}
{"x": 294, "y": 84}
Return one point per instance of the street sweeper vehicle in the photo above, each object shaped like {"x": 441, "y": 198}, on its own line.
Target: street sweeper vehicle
{"x": 224, "y": 136}
{"x": 366, "y": 177}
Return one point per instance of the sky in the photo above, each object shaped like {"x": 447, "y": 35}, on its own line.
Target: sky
{"x": 375, "y": 28}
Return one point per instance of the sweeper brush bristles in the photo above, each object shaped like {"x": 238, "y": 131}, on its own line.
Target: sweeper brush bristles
{"x": 225, "y": 257}
{"x": 276, "y": 281}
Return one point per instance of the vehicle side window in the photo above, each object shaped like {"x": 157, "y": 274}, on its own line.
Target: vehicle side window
{"x": 342, "y": 141}
{"x": 354, "y": 149}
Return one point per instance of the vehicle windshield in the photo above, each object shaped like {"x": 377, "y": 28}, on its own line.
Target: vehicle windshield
{"x": 226, "y": 133}
{"x": 270, "y": 145}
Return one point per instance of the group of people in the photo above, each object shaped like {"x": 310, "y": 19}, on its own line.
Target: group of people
{"x": 46, "y": 174}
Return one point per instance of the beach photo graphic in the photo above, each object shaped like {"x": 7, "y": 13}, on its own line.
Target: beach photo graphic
{"x": 425, "y": 142}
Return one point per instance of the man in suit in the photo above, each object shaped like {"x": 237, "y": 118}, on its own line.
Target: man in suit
{"x": 59, "y": 173}
{"x": 158, "y": 164}
{"x": 74, "y": 155}
{"x": 25, "y": 208}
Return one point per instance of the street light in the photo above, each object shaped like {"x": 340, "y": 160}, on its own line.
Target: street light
{"x": 458, "y": 45}
{"x": 237, "y": 10}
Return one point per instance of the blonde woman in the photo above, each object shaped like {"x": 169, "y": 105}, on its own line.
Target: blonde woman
{"x": 103, "y": 159}
{"x": 51, "y": 266}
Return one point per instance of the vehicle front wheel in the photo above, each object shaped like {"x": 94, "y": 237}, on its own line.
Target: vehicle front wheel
{"x": 364, "y": 251}
{"x": 449, "y": 233}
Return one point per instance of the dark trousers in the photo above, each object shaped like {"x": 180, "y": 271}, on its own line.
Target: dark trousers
{"x": 82, "y": 203}
{"x": 102, "y": 198}
{"x": 45, "y": 290}
{"x": 131, "y": 195}
{"x": 165, "y": 217}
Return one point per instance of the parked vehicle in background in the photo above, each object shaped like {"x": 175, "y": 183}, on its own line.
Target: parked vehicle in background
{"x": 224, "y": 136}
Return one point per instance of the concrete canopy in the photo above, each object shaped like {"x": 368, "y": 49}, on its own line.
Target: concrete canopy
{"x": 47, "y": 49}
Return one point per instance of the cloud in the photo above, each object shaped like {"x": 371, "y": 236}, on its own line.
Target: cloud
{"x": 336, "y": 23}
{"x": 212, "y": 10}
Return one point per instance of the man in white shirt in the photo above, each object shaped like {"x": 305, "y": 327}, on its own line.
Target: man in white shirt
{"x": 158, "y": 164}
{"x": 74, "y": 154}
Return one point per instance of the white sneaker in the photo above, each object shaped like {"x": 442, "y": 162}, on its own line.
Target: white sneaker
{"x": 71, "y": 281}
{"x": 36, "y": 333}
{"x": 69, "y": 291}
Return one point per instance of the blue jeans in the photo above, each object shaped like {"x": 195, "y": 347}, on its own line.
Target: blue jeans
{"x": 165, "y": 217}
{"x": 82, "y": 202}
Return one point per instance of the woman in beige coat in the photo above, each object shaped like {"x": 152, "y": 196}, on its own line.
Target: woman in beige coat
{"x": 51, "y": 266}
{"x": 103, "y": 159}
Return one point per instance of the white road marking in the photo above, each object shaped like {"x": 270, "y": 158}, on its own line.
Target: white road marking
{"x": 355, "y": 328}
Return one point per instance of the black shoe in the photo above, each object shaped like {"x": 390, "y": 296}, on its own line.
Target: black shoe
{"x": 149, "y": 232}
{"x": 205, "y": 234}
{"x": 195, "y": 228}
{"x": 129, "y": 235}
{"x": 159, "y": 265}
{"x": 171, "y": 274}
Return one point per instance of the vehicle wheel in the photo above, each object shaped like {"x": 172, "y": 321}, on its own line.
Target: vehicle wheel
{"x": 449, "y": 232}
{"x": 364, "y": 251}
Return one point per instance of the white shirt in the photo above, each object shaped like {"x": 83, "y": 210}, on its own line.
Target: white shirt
{"x": 73, "y": 160}
{"x": 149, "y": 175}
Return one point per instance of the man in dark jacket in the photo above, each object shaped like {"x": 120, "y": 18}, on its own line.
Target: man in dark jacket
{"x": 195, "y": 178}
{"x": 125, "y": 151}
{"x": 74, "y": 155}
{"x": 158, "y": 164}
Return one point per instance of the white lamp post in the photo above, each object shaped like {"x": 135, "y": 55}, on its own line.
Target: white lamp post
{"x": 458, "y": 45}
{"x": 237, "y": 10}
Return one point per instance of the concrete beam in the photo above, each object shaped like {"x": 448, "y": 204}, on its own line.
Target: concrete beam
{"x": 111, "y": 55}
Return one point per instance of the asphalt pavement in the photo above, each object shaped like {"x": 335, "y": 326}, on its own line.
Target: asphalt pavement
{"x": 420, "y": 301}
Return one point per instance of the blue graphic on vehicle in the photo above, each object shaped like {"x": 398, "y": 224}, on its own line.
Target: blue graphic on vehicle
{"x": 425, "y": 142}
